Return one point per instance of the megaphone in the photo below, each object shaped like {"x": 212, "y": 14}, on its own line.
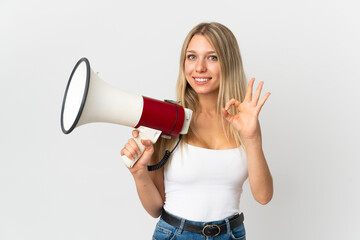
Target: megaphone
{"x": 89, "y": 99}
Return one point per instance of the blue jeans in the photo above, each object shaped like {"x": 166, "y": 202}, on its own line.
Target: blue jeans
{"x": 165, "y": 231}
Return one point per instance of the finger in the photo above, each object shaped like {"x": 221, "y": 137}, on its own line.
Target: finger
{"x": 131, "y": 150}
{"x": 226, "y": 115}
{"x": 257, "y": 93}
{"x": 126, "y": 153}
{"x": 134, "y": 145}
{"x": 248, "y": 95}
{"x": 135, "y": 133}
{"x": 232, "y": 102}
{"x": 263, "y": 100}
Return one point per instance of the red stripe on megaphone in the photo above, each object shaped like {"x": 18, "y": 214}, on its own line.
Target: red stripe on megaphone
{"x": 163, "y": 116}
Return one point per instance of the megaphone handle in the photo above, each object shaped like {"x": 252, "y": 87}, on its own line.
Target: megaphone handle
{"x": 144, "y": 133}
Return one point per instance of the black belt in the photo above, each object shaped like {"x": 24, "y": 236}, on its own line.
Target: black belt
{"x": 207, "y": 230}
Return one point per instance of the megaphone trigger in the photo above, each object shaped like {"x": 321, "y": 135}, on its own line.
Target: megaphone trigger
{"x": 145, "y": 133}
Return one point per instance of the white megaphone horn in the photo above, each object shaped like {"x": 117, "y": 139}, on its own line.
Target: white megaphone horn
{"x": 89, "y": 99}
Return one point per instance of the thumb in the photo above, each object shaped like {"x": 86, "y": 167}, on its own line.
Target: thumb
{"x": 149, "y": 150}
{"x": 148, "y": 145}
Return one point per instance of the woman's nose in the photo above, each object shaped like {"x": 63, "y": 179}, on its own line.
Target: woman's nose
{"x": 201, "y": 66}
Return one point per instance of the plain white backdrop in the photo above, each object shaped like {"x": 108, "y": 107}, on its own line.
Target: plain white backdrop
{"x": 56, "y": 186}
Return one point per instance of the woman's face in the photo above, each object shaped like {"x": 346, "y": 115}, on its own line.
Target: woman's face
{"x": 202, "y": 70}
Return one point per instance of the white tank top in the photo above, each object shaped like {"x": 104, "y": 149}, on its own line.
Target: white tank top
{"x": 204, "y": 184}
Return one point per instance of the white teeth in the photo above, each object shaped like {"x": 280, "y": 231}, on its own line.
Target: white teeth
{"x": 202, "y": 79}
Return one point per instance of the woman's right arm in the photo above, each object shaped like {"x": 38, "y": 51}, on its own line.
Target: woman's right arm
{"x": 149, "y": 185}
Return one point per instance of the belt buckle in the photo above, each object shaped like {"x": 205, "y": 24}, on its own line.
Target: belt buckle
{"x": 208, "y": 230}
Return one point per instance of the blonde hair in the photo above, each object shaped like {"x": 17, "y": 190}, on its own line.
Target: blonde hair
{"x": 232, "y": 80}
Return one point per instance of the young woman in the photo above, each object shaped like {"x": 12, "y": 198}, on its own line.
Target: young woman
{"x": 197, "y": 193}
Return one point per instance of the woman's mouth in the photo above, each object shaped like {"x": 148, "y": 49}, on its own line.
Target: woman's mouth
{"x": 202, "y": 80}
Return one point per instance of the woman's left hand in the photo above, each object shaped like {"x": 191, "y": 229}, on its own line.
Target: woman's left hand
{"x": 246, "y": 120}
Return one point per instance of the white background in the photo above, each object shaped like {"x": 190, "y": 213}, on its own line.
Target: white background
{"x": 56, "y": 186}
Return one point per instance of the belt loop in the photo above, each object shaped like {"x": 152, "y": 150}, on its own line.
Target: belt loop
{"x": 181, "y": 227}
{"x": 227, "y": 225}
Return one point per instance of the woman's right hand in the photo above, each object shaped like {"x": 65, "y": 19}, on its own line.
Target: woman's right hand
{"x": 131, "y": 150}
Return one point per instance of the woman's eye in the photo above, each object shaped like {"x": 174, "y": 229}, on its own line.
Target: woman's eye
{"x": 191, "y": 57}
{"x": 213, "y": 58}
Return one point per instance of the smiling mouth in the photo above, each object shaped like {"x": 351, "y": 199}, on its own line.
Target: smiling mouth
{"x": 202, "y": 80}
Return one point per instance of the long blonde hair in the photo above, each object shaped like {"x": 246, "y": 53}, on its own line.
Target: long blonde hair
{"x": 232, "y": 80}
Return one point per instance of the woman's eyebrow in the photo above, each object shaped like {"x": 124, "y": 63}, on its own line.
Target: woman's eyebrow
{"x": 208, "y": 52}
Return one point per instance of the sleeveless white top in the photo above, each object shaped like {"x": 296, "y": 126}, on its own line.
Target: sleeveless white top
{"x": 204, "y": 184}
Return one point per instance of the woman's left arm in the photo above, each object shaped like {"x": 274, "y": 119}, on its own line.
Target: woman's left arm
{"x": 247, "y": 123}
{"x": 260, "y": 179}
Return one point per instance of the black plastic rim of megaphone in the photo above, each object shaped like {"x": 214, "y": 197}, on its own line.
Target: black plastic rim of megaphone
{"x": 86, "y": 89}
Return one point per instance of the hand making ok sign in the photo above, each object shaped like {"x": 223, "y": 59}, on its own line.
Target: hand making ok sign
{"x": 246, "y": 120}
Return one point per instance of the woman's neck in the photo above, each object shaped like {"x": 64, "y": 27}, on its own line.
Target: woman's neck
{"x": 207, "y": 103}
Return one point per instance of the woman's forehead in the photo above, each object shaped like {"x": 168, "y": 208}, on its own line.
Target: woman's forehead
{"x": 200, "y": 44}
